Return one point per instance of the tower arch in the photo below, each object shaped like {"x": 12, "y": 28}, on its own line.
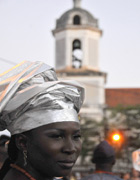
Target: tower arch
{"x": 77, "y": 20}
{"x": 77, "y": 54}
{"x": 77, "y": 37}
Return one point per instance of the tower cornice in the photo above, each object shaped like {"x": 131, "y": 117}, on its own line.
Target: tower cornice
{"x": 77, "y": 28}
{"x": 84, "y": 71}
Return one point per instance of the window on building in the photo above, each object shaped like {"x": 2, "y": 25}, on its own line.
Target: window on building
{"x": 76, "y": 20}
{"x": 77, "y": 54}
{"x": 76, "y": 44}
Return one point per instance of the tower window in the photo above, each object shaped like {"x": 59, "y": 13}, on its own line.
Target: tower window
{"x": 76, "y": 44}
{"x": 76, "y": 20}
{"x": 77, "y": 54}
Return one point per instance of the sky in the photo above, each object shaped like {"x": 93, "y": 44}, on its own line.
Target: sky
{"x": 26, "y": 34}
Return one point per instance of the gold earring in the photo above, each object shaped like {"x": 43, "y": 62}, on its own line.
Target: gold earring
{"x": 25, "y": 157}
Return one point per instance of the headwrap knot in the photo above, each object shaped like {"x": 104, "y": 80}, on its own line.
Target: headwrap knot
{"x": 32, "y": 96}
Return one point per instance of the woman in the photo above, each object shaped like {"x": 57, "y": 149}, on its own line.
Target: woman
{"x": 41, "y": 114}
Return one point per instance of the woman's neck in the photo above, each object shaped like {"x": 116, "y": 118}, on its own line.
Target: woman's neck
{"x": 107, "y": 168}
{"x": 32, "y": 172}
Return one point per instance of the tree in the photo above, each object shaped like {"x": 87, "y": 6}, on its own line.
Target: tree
{"x": 92, "y": 132}
{"x": 123, "y": 120}
{"x": 126, "y": 120}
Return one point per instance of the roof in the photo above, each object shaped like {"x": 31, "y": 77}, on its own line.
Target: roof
{"x": 87, "y": 19}
{"x": 64, "y": 20}
{"x": 122, "y": 96}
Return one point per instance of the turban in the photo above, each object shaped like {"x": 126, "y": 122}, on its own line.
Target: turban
{"x": 32, "y": 96}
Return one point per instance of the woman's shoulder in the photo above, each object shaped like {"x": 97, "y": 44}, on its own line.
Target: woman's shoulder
{"x": 15, "y": 175}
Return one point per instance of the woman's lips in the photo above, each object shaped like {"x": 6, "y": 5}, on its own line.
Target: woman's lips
{"x": 65, "y": 164}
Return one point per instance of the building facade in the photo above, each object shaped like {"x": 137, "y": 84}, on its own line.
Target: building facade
{"x": 77, "y": 36}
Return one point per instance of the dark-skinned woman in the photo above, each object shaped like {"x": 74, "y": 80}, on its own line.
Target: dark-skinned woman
{"x": 41, "y": 114}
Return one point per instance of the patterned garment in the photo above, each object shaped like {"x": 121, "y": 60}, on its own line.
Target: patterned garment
{"x": 101, "y": 176}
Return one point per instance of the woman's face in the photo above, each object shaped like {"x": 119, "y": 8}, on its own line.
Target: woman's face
{"x": 53, "y": 149}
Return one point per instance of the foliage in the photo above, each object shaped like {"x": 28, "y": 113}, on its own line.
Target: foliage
{"x": 124, "y": 119}
{"x": 91, "y": 134}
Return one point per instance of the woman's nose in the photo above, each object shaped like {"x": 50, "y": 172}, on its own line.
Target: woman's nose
{"x": 69, "y": 146}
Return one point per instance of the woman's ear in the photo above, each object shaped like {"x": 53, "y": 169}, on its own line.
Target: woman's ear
{"x": 21, "y": 142}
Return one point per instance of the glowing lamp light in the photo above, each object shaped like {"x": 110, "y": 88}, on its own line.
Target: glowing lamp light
{"x": 116, "y": 137}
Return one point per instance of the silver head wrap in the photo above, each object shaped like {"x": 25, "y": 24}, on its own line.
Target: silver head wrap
{"x": 32, "y": 96}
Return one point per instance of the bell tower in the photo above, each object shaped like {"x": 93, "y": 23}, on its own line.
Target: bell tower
{"x": 77, "y": 35}
{"x": 77, "y": 38}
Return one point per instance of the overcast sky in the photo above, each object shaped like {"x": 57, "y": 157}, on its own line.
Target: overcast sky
{"x": 26, "y": 25}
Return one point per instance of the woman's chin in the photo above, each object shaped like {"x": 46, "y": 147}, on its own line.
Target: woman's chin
{"x": 64, "y": 173}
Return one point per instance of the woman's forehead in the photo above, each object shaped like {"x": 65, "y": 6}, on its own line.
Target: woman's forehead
{"x": 59, "y": 125}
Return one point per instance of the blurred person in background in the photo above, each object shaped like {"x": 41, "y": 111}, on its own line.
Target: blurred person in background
{"x": 72, "y": 176}
{"x": 104, "y": 159}
{"x": 135, "y": 175}
{"x": 126, "y": 176}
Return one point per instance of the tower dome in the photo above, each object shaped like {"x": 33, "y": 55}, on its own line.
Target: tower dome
{"x": 77, "y": 38}
{"x": 77, "y": 17}
{"x": 77, "y": 43}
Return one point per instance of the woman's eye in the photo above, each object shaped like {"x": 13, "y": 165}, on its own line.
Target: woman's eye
{"x": 56, "y": 136}
{"x": 77, "y": 136}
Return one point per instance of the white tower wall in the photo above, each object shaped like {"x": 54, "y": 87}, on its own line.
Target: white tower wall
{"x": 89, "y": 45}
{"x": 76, "y": 32}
